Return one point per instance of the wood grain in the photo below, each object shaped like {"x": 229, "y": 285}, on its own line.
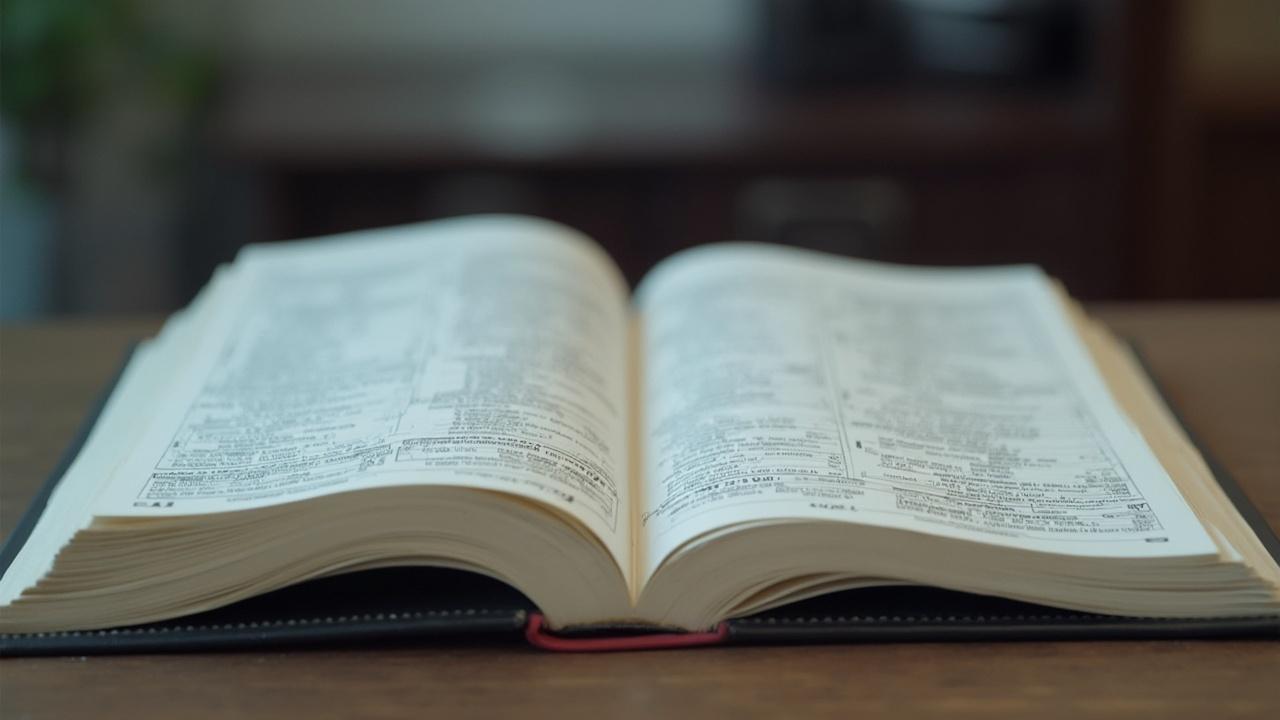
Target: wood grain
{"x": 1220, "y": 364}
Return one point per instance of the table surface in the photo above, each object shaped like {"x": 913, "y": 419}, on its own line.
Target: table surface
{"x": 1219, "y": 364}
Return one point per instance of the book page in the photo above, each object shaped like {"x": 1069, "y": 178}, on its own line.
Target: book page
{"x": 783, "y": 384}
{"x": 484, "y": 352}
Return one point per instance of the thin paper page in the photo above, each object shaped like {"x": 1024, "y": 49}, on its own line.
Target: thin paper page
{"x": 786, "y": 384}
{"x": 486, "y": 353}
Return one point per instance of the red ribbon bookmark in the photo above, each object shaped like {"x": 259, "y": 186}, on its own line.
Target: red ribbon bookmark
{"x": 535, "y": 632}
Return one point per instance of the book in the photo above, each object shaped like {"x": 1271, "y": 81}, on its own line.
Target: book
{"x": 754, "y": 426}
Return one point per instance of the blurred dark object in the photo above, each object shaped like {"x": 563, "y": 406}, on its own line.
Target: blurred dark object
{"x": 814, "y": 41}
{"x": 1025, "y": 42}
{"x": 1212, "y": 222}
{"x": 858, "y": 218}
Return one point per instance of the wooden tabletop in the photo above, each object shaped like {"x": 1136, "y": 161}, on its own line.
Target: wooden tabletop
{"x": 1219, "y": 363}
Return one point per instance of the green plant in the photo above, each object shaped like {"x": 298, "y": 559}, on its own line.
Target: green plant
{"x": 58, "y": 58}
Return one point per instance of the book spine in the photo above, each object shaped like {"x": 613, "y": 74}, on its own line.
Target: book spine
{"x": 537, "y": 635}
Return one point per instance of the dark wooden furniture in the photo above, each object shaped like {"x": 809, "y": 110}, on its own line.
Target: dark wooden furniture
{"x": 1219, "y": 363}
{"x": 650, "y": 157}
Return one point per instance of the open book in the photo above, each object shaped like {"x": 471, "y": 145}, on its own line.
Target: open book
{"x": 754, "y": 426}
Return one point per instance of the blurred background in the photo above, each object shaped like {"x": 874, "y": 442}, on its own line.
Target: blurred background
{"x": 1131, "y": 148}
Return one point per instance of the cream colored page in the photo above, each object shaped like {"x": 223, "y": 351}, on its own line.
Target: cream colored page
{"x": 786, "y": 384}
{"x": 481, "y": 352}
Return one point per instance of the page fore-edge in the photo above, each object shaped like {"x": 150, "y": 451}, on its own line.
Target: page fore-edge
{"x": 16, "y": 539}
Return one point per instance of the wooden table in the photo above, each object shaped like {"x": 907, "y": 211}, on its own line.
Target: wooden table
{"x": 1220, "y": 364}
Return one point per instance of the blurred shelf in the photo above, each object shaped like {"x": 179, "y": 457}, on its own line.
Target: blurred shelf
{"x": 602, "y": 116}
